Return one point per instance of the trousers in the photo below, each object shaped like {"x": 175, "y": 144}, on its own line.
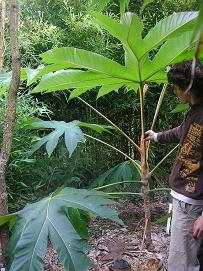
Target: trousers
{"x": 184, "y": 248}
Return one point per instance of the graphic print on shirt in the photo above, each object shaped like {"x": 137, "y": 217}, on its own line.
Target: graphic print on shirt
{"x": 190, "y": 155}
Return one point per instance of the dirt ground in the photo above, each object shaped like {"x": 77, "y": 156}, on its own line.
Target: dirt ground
{"x": 116, "y": 248}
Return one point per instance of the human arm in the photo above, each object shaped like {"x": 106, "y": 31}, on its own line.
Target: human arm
{"x": 170, "y": 136}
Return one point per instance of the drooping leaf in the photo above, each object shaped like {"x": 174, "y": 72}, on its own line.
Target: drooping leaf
{"x": 124, "y": 171}
{"x": 72, "y": 133}
{"x": 97, "y": 127}
{"x": 47, "y": 219}
{"x": 180, "y": 108}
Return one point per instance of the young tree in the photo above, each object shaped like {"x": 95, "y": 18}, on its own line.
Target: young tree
{"x": 71, "y": 68}
{"x": 3, "y": 23}
{"x": 9, "y": 123}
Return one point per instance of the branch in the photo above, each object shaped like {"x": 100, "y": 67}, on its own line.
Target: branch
{"x": 163, "y": 92}
{"x": 163, "y": 160}
{"x": 114, "y": 148}
{"x": 112, "y": 184}
{"x": 113, "y": 124}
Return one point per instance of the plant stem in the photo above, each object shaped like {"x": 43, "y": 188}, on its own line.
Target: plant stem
{"x": 112, "y": 184}
{"x": 114, "y": 148}
{"x": 113, "y": 124}
{"x": 142, "y": 246}
{"x": 163, "y": 92}
{"x": 145, "y": 171}
{"x": 124, "y": 193}
{"x": 166, "y": 156}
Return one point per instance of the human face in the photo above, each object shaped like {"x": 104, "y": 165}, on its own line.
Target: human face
{"x": 183, "y": 96}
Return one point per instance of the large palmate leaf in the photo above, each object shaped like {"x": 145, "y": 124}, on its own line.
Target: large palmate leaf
{"x": 124, "y": 171}
{"x": 128, "y": 31}
{"x": 167, "y": 54}
{"x": 198, "y": 29}
{"x": 71, "y": 131}
{"x": 56, "y": 218}
{"x": 76, "y": 79}
{"x": 85, "y": 59}
{"x": 170, "y": 27}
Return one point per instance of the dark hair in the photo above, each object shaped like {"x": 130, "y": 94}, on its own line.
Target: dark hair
{"x": 180, "y": 74}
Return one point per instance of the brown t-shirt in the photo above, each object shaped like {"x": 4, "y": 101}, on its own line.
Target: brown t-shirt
{"x": 187, "y": 173}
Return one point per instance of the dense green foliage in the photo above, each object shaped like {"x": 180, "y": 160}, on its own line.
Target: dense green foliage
{"x": 99, "y": 63}
{"x": 43, "y": 28}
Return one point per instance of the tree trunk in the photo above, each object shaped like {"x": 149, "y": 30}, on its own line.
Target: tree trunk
{"x": 2, "y": 29}
{"x": 9, "y": 122}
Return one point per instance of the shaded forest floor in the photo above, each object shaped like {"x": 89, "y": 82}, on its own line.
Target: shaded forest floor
{"x": 116, "y": 248}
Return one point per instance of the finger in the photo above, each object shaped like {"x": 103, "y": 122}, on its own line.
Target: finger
{"x": 200, "y": 233}
{"x": 195, "y": 232}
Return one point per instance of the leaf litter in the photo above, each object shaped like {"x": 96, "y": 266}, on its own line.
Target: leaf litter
{"x": 116, "y": 248}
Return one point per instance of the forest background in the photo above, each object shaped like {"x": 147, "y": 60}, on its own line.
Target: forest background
{"x": 44, "y": 26}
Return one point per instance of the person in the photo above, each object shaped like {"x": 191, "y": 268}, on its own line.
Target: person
{"x": 186, "y": 179}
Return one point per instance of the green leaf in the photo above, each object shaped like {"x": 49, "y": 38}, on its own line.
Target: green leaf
{"x": 46, "y": 219}
{"x": 146, "y": 3}
{"x": 104, "y": 90}
{"x": 75, "y": 79}
{"x": 96, "y": 127}
{"x": 164, "y": 218}
{"x": 199, "y": 23}
{"x": 123, "y": 5}
{"x": 5, "y": 79}
{"x": 99, "y": 5}
{"x": 11, "y": 219}
{"x": 128, "y": 31}
{"x": 72, "y": 133}
{"x": 166, "y": 55}
{"x": 124, "y": 171}
{"x": 77, "y": 92}
{"x": 26, "y": 123}
{"x": 85, "y": 59}
{"x": 170, "y": 27}
{"x": 180, "y": 108}
{"x": 77, "y": 222}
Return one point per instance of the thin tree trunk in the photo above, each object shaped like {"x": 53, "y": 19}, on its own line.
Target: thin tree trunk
{"x": 9, "y": 122}
{"x": 2, "y": 29}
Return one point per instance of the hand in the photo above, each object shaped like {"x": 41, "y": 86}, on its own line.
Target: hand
{"x": 149, "y": 135}
{"x": 197, "y": 230}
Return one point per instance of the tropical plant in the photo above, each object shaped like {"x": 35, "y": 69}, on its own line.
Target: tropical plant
{"x": 59, "y": 219}
{"x": 69, "y": 68}
{"x": 170, "y": 38}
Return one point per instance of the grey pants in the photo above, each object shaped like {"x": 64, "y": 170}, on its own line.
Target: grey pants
{"x": 183, "y": 246}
